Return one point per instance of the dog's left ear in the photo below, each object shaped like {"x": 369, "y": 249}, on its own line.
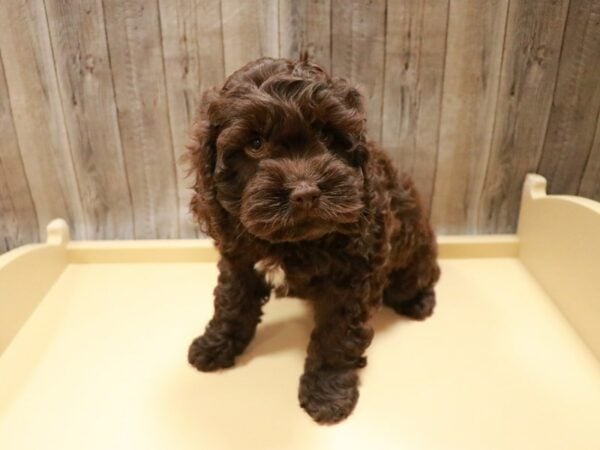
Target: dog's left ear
{"x": 349, "y": 95}
{"x": 353, "y": 100}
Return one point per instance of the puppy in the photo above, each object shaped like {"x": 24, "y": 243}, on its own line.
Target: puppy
{"x": 286, "y": 179}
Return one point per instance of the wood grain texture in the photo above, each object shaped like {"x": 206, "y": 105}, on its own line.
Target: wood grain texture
{"x": 18, "y": 219}
{"x": 317, "y": 31}
{"x": 590, "y": 183}
{"x": 358, "y": 54}
{"x": 85, "y": 81}
{"x": 473, "y": 56}
{"x": 415, "y": 47}
{"x": 574, "y": 116}
{"x": 528, "y": 75}
{"x": 292, "y": 14}
{"x": 270, "y": 30}
{"x": 134, "y": 41}
{"x": 192, "y": 39}
{"x": 37, "y": 115}
{"x": 308, "y": 28}
{"x": 467, "y": 96}
{"x": 341, "y": 38}
{"x": 241, "y": 33}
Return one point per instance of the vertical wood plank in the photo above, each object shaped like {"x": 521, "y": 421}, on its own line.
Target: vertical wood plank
{"x": 472, "y": 72}
{"x": 269, "y": 22}
{"x": 38, "y": 116}
{"x": 341, "y": 39}
{"x": 576, "y": 104}
{"x": 193, "y": 53}
{"x": 18, "y": 221}
{"x": 85, "y": 81}
{"x": 135, "y": 50}
{"x": 532, "y": 48}
{"x": 368, "y": 57}
{"x": 415, "y": 47}
{"x": 305, "y": 26}
{"x": 317, "y": 32}
{"x": 590, "y": 183}
{"x": 241, "y": 33}
{"x": 292, "y": 15}
{"x": 358, "y": 41}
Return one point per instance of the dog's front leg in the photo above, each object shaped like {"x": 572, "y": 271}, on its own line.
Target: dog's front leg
{"x": 329, "y": 385}
{"x": 239, "y": 296}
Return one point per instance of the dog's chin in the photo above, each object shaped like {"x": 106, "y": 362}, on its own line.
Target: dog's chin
{"x": 277, "y": 223}
{"x": 299, "y": 232}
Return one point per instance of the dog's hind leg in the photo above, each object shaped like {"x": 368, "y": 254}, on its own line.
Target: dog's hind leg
{"x": 410, "y": 290}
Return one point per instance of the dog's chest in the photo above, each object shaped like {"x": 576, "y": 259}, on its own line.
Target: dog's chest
{"x": 274, "y": 275}
{"x": 272, "y": 272}
{"x": 292, "y": 272}
{"x": 303, "y": 272}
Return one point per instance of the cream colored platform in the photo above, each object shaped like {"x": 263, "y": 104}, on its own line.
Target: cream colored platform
{"x": 98, "y": 357}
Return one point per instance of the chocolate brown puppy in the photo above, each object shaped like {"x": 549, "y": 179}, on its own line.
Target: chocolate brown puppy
{"x": 287, "y": 179}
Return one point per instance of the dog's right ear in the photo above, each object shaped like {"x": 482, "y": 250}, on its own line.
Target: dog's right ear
{"x": 202, "y": 149}
{"x": 201, "y": 160}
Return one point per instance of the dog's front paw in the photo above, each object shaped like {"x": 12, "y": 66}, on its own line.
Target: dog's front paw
{"x": 329, "y": 396}
{"x": 212, "y": 352}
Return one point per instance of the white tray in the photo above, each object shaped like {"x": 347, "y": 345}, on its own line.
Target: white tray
{"x": 95, "y": 334}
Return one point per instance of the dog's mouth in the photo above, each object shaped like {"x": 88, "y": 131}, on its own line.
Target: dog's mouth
{"x": 303, "y": 231}
{"x": 274, "y": 219}
{"x": 296, "y": 226}
{"x": 291, "y": 201}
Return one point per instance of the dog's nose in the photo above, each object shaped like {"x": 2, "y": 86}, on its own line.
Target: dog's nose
{"x": 305, "y": 195}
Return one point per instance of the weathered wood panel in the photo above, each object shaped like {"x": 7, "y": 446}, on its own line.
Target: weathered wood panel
{"x": 270, "y": 29}
{"x": 308, "y": 28}
{"x": 415, "y": 48}
{"x": 358, "y": 53}
{"x": 590, "y": 183}
{"x": 530, "y": 62}
{"x": 317, "y": 32}
{"x": 241, "y": 33}
{"x": 576, "y": 102}
{"x": 98, "y": 95}
{"x": 341, "y": 38}
{"x": 291, "y": 19}
{"x": 37, "y": 114}
{"x": 473, "y": 56}
{"x": 135, "y": 49}
{"x": 18, "y": 220}
{"x": 88, "y": 104}
{"x": 192, "y": 38}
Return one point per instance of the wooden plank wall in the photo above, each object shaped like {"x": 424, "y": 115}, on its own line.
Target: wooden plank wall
{"x": 96, "y": 97}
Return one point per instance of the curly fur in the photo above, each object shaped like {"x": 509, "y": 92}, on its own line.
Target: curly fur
{"x": 276, "y": 130}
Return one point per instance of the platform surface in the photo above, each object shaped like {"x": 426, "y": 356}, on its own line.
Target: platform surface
{"x": 496, "y": 367}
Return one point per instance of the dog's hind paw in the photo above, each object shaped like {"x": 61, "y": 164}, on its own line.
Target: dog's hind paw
{"x": 418, "y": 308}
{"x": 329, "y": 396}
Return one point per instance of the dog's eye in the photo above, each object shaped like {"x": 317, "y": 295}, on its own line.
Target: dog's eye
{"x": 256, "y": 143}
{"x": 255, "y": 148}
{"x": 326, "y": 136}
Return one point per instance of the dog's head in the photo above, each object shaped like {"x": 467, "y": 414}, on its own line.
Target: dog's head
{"x": 280, "y": 148}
